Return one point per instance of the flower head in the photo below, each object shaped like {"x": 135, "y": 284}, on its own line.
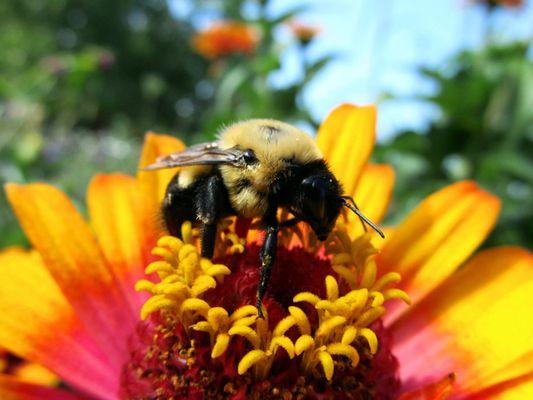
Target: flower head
{"x": 336, "y": 321}
{"x": 501, "y": 3}
{"x": 313, "y": 334}
{"x": 225, "y": 38}
{"x": 304, "y": 32}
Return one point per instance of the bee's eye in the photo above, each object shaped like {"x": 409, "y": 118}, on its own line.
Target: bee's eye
{"x": 249, "y": 157}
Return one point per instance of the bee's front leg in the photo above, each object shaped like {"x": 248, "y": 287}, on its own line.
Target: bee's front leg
{"x": 267, "y": 256}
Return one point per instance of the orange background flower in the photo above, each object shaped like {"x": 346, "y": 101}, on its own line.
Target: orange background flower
{"x": 225, "y": 38}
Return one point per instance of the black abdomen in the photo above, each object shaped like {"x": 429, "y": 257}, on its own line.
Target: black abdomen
{"x": 205, "y": 200}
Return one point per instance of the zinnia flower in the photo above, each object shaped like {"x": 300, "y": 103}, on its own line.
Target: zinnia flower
{"x": 225, "y": 38}
{"x": 304, "y": 32}
{"x": 501, "y": 3}
{"x": 336, "y": 323}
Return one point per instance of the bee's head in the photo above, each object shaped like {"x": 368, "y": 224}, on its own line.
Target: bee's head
{"x": 319, "y": 203}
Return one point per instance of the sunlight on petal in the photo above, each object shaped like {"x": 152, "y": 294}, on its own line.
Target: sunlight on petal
{"x": 115, "y": 214}
{"x": 374, "y": 191}
{"x": 439, "y": 235}
{"x": 38, "y": 324}
{"x": 152, "y": 184}
{"x": 478, "y": 322}
{"x": 346, "y": 139}
{"x": 76, "y": 262}
{"x": 14, "y": 389}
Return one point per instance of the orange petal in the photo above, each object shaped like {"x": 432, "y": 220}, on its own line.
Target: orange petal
{"x": 35, "y": 373}
{"x": 437, "y": 237}
{"x": 519, "y": 388}
{"x": 115, "y": 213}
{"x": 346, "y": 139}
{"x": 439, "y": 390}
{"x": 478, "y": 323}
{"x": 374, "y": 191}
{"x": 372, "y": 196}
{"x": 37, "y": 323}
{"x": 75, "y": 261}
{"x": 152, "y": 184}
{"x": 378, "y": 242}
{"x": 14, "y": 389}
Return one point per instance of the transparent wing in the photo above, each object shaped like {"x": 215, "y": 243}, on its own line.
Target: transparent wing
{"x": 200, "y": 154}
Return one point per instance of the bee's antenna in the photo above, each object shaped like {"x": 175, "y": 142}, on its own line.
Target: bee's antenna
{"x": 348, "y": 202}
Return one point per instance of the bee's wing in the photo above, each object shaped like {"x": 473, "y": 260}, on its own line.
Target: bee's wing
{"x": 200, "y": 154}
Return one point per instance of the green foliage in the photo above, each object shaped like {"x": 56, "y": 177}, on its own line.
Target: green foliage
{"x": 79, "y": 76}
{"x": 485, "y": 133}
{"x": 93, "y": 64}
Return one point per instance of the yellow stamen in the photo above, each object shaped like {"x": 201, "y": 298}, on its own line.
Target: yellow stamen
{"x": 144, "y": 285}
{"x": 284, "y": 325}
{"x": 396, "y": 294}
{"x": 344, "y": 350}
{"x": 247, "y": 333}
{"x": 202, "y": 326}
{"x": 243, "y": 312}
{"x": 378, "y": 297}
{"x": 343, "y": 316}
{"x": 327, "y": 363}
{"x": 370, "y": 315}
{"x": 184, "y": 276}
{"x": 369, "y": 273}
{"x": 153, "y": 304}
{"x": 217, "y": 316}
{"x": 371, "y": 338}
{"x": 387, "y": 279}
{"x": 194, "y": 305}
{"x": 306, "y": 297}
{"x": 332, "y": 288}
{"x": 250, "y": 359}
{"x": 159, "y": 266}
{"x": 221, "y": 345}
{"x": 328, "y": 326}
{"x": 283, "y": 342}
{"x": 303, "y": 343}
{"x": 301, "y": 320}
{"x": 349, "y": 335}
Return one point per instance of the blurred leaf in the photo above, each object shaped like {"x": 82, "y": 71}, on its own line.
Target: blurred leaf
{"x": 315, "y": 67}
{"x": 484, "y": 132}
{"x": 288, "y": 15}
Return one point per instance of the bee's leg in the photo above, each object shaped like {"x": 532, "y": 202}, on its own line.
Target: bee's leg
{"x": 209, "y": 236}
{"x": 210, "y": 206}
{"x": 267, "y": 256}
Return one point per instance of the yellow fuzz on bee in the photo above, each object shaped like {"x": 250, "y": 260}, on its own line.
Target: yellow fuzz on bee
{"x": 343, "y": 317}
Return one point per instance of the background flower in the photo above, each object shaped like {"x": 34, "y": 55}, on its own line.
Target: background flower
{"x": 226, "y": 38}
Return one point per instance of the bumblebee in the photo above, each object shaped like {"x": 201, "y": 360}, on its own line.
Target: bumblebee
{"x": 254, "y": 168}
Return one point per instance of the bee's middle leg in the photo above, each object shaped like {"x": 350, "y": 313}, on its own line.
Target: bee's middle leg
{"x": 209, "y": 236}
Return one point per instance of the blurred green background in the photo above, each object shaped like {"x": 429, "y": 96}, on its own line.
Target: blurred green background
{"x": 81, "y": 81}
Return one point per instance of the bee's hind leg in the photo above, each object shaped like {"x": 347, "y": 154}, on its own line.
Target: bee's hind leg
{"x": 267, "y": 256}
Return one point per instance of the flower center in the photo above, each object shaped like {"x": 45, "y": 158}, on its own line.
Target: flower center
{"x": 200, "y": 334}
